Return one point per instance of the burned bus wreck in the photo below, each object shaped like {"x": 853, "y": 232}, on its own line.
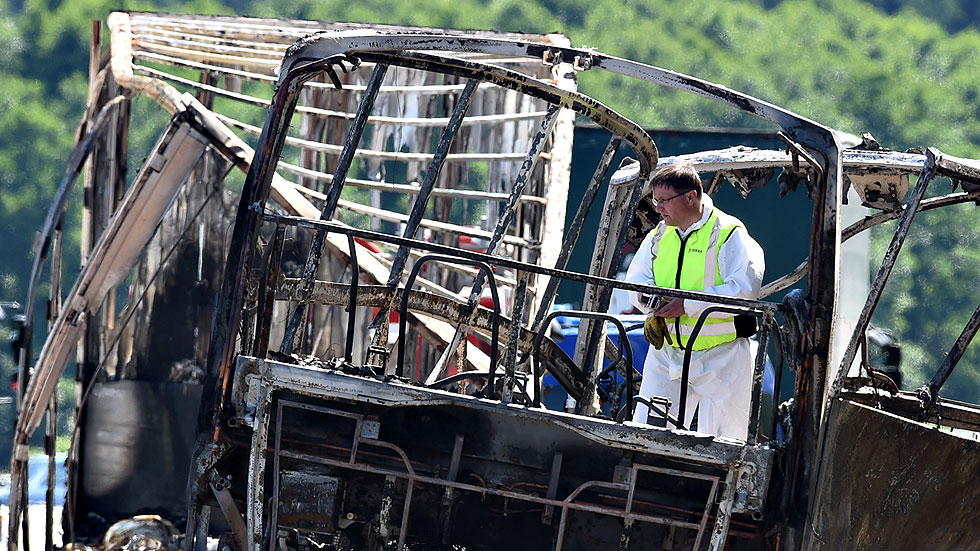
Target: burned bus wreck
{"x": 371, "y": 378}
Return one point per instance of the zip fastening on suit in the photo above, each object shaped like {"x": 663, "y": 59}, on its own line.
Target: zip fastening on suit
{"x": 677, "y": 283}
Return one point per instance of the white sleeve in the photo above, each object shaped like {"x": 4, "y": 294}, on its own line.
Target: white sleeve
{"x": 742, "y": 264}
{"x": 641, "y": 271}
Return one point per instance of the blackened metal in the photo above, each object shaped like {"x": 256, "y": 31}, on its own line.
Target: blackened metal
{"x": 51, "y": 430}
{"x": 228, "y": 307}
{"x": 887, "y": 263}
{"x": 685, "y": 374}
{"x": 652, "y": 405}
{"x": 355, "y": 276}
{"x": 607, "y": 375}
{"x": 431, "y": 175}
{"x": 517, "y": 314}
{"x": 384, "y": 515}
{"x": 365, "y": 47}
{"x": 924, "y": 205}
{"x": 462, "y": 376}
{"x": 929, "y": 393}
{"x": 798, "y": 150}
{"x": 495, "y": 326}
{"x": 549, "y": 510}
{"x": 353, "y": 139}
{"x": 25, "y": 540}
{"x": 591, "y": 371}
{"x": 626, "y": 535}
{"x": 757, "y": 377}
{"x": 723, "y": 516}
{"x": 778, "y": 370}
{"x": 624, "y": 350}
{"x": 507, "y": 214}
{"x": 571, "y": 236}
{"x": 267, "y": 294}
{"x": 568, "y": 504}
{"x": 454, "y": 463}
{"x": 333, "y": 195}
{"x": 441, "y": 308}
{"x": 447, "y": 497}
{"x": 638, "y": 139}
{"x": 277, "y": 452}
{"x": 958, "y": 169}
{"x": 52, "y": 223}
{"x": 463, "y": 254}
{"x": 234, "y": 517}
{"x": 421, "y": 201}
{"x": 866, "y": 223}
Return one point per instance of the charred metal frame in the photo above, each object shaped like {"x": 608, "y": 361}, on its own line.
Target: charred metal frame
{"x": 259, "y": 382}
{"x": 624, "y": 344}
{"x": 485, "y": 270}
{"x": 251, "y": 385}
{"x": 316, "y": 250}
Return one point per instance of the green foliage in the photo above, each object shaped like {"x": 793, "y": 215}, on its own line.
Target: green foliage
{"x": 932, "y": 293}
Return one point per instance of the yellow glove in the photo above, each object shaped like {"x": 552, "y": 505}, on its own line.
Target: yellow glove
{"x": 655, "y": 331}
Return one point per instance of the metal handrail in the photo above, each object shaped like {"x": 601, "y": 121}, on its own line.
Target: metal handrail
{"x": 623, "y": 338}
{"x": 494, "y": 328}
{"x": 689, "y": 349}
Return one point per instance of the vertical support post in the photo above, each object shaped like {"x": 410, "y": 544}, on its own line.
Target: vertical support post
{"x": 514, "y": 337}
{"x": 447, "y": 498}
{"x": 549, "y": 510}
{"x": 888, "y": 262}
{"x": 50, "y": 429}
{"x": 380, "y": 322}
{"x": 758, "y": 374}
{"x": 592, "y": 360}
{"x": 87, "y": 354}
{"x": 823, "y": 287}
{"x": 604, "y": 261}
{"x": 256, "y": 472}
{"x": 719, "y": 534}
{"x": 267, "y": 294}
{"x": 333, "y": 197}
{"x": 571, "y": 238}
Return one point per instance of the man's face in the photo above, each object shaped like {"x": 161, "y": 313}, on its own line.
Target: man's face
{"x": 673, "y": 205}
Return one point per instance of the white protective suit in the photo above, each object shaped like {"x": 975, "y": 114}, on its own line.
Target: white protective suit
{"x": 720, "y": 379}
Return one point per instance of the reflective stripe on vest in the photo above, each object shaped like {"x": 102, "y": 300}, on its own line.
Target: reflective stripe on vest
{"x": 691, "y": 264}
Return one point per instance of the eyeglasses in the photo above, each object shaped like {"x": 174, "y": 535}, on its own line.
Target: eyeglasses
{"x": 659, "y": 202}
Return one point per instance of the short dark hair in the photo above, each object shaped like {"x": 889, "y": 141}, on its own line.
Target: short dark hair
{"x": 681, "y": 178}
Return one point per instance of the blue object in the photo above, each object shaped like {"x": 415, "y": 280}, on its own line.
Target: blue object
{"x": 37, "y": 481}
{"x": 553, "y": 395}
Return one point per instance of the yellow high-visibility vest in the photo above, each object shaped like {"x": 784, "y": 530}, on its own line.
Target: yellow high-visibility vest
{"x": 691, "y": 264}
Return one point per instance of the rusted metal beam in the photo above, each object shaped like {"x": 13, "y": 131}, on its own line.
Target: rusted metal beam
{"x": 516, "y": 264}
{"x": 466, "y": 310}
{"x": 440, "y": 308}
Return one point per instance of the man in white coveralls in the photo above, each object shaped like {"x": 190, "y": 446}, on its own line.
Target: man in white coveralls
{"x": 697, "y": 247}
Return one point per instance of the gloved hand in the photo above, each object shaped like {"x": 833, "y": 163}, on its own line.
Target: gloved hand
{"x": 655, "y": 331}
